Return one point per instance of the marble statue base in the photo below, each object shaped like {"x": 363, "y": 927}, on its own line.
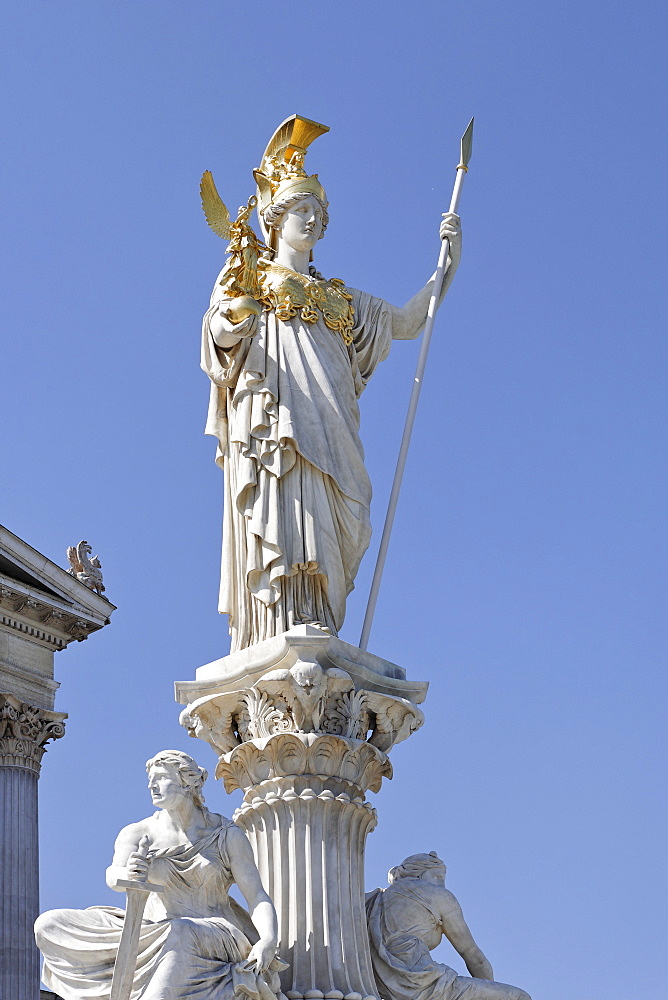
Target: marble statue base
{"x": 305, "y": 643}
{"x": 303, "y": 724}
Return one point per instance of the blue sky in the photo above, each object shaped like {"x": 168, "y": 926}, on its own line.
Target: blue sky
{"x": 526, "y": 579}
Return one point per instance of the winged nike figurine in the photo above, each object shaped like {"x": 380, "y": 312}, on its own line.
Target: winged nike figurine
{"x": 240, "y": 277}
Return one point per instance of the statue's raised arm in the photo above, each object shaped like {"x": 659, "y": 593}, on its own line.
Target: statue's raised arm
{"x": 408, "y": 322}
{"x": 288, "y": 353}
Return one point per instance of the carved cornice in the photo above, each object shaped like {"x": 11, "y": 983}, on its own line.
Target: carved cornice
{"x": 302, "y": 644}
{"x": 38, "y": 619}
{"x": 24, "y": 732}
{"x": 293, "y": 754}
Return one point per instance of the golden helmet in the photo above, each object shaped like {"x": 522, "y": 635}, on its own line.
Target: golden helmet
{"x": 282, "y": 171}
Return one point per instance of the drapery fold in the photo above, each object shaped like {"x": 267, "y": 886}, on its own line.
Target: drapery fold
{"x": 192, "y": 943}
{"x": 297, "y": 495}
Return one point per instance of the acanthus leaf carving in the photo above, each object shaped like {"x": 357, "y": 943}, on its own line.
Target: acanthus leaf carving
{"x": 24, "y": 732}
{"x": 79, "y": 629}
{"x": 325, "y": 755}
{"x": 54, "y": 615}
{"x": 346, "y": 715}
{"x": 212, "y": 720}
{"x": 265, "y": 717}
{"x": 303, "y": 700}
{"x": 27, "y": 604}
{"x": 394, "y": 719}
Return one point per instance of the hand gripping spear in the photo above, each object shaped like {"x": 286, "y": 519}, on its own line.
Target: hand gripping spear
{"x": 462, "y": 167}
{"x": 136, "y": 891}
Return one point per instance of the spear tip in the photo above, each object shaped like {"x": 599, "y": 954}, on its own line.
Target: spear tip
{"x": 467, "y": 144}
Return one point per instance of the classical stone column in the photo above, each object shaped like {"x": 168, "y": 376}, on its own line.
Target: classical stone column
{"x": 306, "y": 815}
{"x": 24, "y": 732}
{"x": 302, "y": 724}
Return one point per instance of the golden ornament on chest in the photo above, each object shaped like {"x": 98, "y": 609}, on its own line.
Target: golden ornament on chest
{"x": 288, "y": 293}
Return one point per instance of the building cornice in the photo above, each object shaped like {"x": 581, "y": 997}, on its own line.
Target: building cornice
{"x": 43, "y": 619}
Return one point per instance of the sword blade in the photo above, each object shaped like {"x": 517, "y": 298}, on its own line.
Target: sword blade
{"x": 126, "y": 958}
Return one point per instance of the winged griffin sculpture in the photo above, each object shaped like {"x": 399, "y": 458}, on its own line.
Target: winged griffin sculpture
{"x": 86, "y": 569}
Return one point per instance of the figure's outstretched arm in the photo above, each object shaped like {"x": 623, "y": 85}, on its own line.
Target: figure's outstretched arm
{"x": 260, "y": 906}
{"x": 408, "y": 321}
{"x": 456, "y": 930}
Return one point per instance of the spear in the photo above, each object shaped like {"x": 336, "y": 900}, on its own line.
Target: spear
{"x": 462, "y": 167}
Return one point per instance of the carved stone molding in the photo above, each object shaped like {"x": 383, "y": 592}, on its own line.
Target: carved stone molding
{"x": 303, "y": 699}
{"x": 38, "y": 619}
{"x": 296, "y": 792}
{"x": 359, "y": 765}
{"x": 330, "y": 995}
{"x": 25, "y": 731}
{"x": 302, "y": 645}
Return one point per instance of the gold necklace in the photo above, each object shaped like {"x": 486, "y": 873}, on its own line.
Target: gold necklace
{"x": 288, "y": 292}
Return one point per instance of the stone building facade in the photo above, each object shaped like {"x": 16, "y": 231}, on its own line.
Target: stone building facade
{"x": 43, "y": 608}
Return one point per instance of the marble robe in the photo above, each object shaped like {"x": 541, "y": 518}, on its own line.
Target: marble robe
{"x": 404, "y": 925}
{"x": 192, "y": 943}
{"x": 297, "y": 495}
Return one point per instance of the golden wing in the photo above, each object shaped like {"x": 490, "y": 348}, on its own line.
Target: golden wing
{"x": 215, "y": 211}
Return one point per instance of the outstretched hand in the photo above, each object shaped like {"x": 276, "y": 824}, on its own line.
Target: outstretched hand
{"x": 451, "y": 229}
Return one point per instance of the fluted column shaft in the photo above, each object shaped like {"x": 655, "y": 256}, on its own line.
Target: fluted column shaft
{"x": 19, "y": 893}
{"x": 306, "y": 816}
{"x": 24, "y": 731}
{"x": 308, "y": 838}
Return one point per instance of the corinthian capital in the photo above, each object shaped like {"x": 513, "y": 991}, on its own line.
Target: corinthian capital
{"x": 24, "y": 732}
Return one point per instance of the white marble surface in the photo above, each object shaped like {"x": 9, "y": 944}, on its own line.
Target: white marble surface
{"x": 296, "y": 683}
{"x": 302, "y": 723}
{"x": 304, "y": 643}
{"x": 283, "y": 407}
{"x": 284, "y": 410}
{"x": 43, "y": 608}
{"x": 193, "y": 936}
{"x": 308, "y": 821}
{"x": 407, "y": 920}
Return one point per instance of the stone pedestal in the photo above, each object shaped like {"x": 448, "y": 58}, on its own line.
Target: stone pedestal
{"x": 302, "y": 723}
